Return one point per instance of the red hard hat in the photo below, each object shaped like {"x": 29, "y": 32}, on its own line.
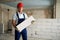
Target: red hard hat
{"x": 20, "y": 5}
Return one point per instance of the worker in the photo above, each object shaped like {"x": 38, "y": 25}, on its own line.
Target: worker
{"x": 19, "y": 17}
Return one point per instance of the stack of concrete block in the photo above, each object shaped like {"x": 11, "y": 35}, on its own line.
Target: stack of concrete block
{"x": 45, "y": 29}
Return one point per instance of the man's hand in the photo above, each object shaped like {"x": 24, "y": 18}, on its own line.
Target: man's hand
{"x": 16, "y": 29}
{"x": 32, "y": 22}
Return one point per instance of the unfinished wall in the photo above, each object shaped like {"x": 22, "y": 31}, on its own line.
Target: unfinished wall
{"x": 5, "y": 14}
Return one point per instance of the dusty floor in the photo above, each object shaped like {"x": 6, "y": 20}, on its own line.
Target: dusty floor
{"x": 8, "y": 36}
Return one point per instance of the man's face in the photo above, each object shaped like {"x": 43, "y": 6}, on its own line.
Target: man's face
{"x": 20, "y": 9}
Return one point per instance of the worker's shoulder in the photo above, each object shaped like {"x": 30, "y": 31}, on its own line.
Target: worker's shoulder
{"x": 15, "y": 14}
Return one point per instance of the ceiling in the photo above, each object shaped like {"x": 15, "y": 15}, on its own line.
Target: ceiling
{"x": 9, "y": 0}
{"x": 29, "y": 3}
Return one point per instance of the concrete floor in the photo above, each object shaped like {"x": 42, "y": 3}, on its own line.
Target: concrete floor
{"x": 8, "y": 36}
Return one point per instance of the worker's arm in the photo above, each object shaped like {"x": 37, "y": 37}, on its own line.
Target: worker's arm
{"x": 14, "y": 23}
{"x": 14, "y": 20}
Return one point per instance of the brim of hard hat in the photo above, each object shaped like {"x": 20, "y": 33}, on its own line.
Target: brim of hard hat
{"x": 20, "y": 6}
